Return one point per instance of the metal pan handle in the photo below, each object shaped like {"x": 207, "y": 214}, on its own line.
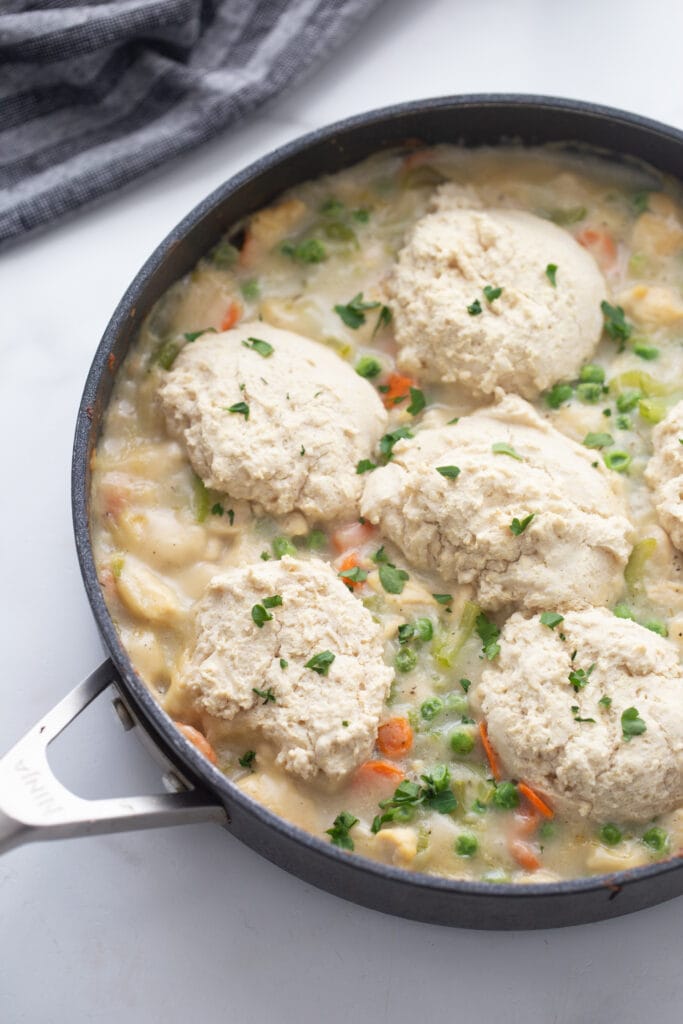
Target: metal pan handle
{"x": 34, "y": 805}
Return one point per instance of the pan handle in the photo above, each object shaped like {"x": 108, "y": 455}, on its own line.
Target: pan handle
{"x": 34, "y": 805}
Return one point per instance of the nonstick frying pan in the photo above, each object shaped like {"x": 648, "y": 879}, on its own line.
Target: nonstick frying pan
{"x": 34, "y": 805}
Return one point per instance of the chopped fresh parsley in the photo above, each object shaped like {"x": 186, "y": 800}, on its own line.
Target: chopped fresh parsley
{"x": 640, "y": 201}
{"x": 368, "y": 367}
{"x": 263, "y": 348}
{"x": 282, "y": 546}
{"x": 267, "y": 696}
{"x": 450, "y": 472}
{"x": 240, "y": 407}
{"x": 339, "y": 833}
{"x": 466, "y": 845}
{"x": 356, "y": 574}
{"x": 465, "y": 683}
{"x": 193, "y": 335}
{"x": 392, "y": 579}
{"x": 383, "y": 320}
{"x": 231, "y": 516}
{"x": 551, "y": 274}
{"x": 605, "y": 701}
{"x": 616, "y": 324}
{"x": 260, "y": 615}
{"x": 308, "y": 251}
{"x": 250, "y": 289}
{"x": 551, "y": 619}
{"x": 579, "y": 677}
{"x": 597, "y": 440}
{"x": 491, "y": 293}
{"x": 217, "y": 510}
{"x": 488, "y": 633}
{"x": 272, "y": 602}
{"x": 577, "y": 716}
{"x": 379, "y": 556}
{"x": 474, "y": 309}
{"x": 503, "y": 448}
{"x": 386, "y": 444}
{"x": 353, "y": 313}
{"x": 421, "y": 629}
{"x": 247, "y": 760}
{"x": 320, "y": 663}
{"x": 443, "y": 598}
{"x": 316, "y": 540}
{"x": 417, "y": 401}
{"x": 283, "y": 663}
{"x": 365, "y": 466}
{"x": 518, "y": 526}
{"x": 631, "y": 723}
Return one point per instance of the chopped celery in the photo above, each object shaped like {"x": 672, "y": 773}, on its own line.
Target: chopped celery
{"x": 622, "y": 611}
{"x": 645, "y": 351}
{"x": 201, "y": 502}
{"x": 447, "y": 646}
{"x": 653, "y": 410}
{"x": 456, "y": 703}
{"x": 116, "y": 565}
{"x": 166, "y": 354}
{"x": 282, "y": 546}
{"x": 657, "y": 627}
{"x": 423, "y": 838}
{"x": 635, "y": 567}
{"x": 644, "y": 382}
{"x": 567, "y": 215}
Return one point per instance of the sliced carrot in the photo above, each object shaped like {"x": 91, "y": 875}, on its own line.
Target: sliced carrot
{"x": 398, "y": 388}
{"x": 600, "y": 245}
{"x": 200, "y": 741}
{"x": 372, "y": 770}
{"x": 350, "y": 562}
{"x": 352, "y": 536}
{"x": 524, "y": 855}
{"x": 535, "y": 800}
{"x": 395, "y": 737}
{"x": 490, "y": 752}
{"x": 525, "y": 823}
{"x": 232, "y": 315}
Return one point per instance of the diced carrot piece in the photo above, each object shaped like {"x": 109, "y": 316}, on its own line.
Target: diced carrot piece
{"x": 232, "y": 315}
{"x": 352, "y": 536}
{"x": 535, "y": 800}
{"x": 600, "y": 245}
{"x": 200, "y": 741}
{"x": 371, "y": 771}
{"x": 395, "y": 737}
{"x": 490, "y": 752}
{"x": 398, "y": 388}
{"x": 524, "y": 855}
{"x": 349, "y": 562}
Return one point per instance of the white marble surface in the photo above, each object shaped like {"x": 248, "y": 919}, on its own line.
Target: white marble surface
{"x": 187, "y": 923}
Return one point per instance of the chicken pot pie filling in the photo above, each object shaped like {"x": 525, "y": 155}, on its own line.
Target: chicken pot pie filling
{"x": 387, "y": 505}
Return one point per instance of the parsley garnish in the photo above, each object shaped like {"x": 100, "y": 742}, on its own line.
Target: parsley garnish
{"x": 267, "y": 695}
{"x": 616, "y": 324}
{"x": 465, "y": 683}
{"x": 260, "y": 615}
{"x": 491, "y": 293}
{"x": 320, "y": 663}
{"x": 356, "y": 574}
{"x": 474, "y": 309}
{"x": 518, "y": 526}
{"x": 392, "y": 579}
{"x": 383, "y": 320}
{"x": 503, "y": 448}
{"x": 551, "y": 274}
{"x": 488, "y": 633}
{"x": 443, "y": 598}
{"x": 551, "y": 619}
{"x": 247, "y": 760}
{"x": 241, "y": 407}
{"x": 308, "y": 251}
{"x": 339, "y": 833}
{"x": 577, "y": 717}
{"x": 579, "y": 677}
{"x": 217, "y": 510}
{"x": 558, "y": 394}
{"x": 631, "y": 723}
{"x": 417, "y": 401}
{"x": 605, "y": 702}
{"x": 365, "y": 466}
{"x": 193, "y": 335}
{"x": 272, "y": 602}
{"x": 231, "y": 516}
{"x": 386, "y": 444}
{"x": 353, "y": 313}
{"x": 450, "y": 472}
{"x": 435, "y": 794}
{"x": 283, "y": 663}
{"x": 263, "y": 348}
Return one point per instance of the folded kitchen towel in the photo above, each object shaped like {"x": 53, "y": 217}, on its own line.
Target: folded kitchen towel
{"x": 94, "y": 94}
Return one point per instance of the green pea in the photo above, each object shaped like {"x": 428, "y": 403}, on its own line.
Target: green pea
{"x": 406, "y": 659}
{"x": 547, "y": 830}
{"x": 628, "y": 399}
{"x": 466, "y": 845}
{"x": 368, "y": 366}
{"x": 282, "y": 546}
{"x": 656, "y": 838}
{"x": 430, "y": 708}
{"x": 592, "y": 374}
{"x": 456, "y": 703}
{"x": 610, "y": 834}
{"x": 316, "y": 540}
{"x": 505, "y": 796}
{"x": 424, "y": 629}
{"x": 589, "y": 392}
{"x": 461, "y": 742}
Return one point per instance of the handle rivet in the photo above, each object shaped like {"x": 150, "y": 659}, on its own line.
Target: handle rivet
{"x": 123, "y": 714}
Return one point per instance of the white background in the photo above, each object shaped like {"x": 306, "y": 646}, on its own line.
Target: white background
{"x": 187, "y": 924}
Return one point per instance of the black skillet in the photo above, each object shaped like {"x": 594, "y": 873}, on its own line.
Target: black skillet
{"x": 34, "y": 805}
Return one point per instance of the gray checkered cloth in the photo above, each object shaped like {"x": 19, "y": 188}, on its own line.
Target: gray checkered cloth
{"x": 95, "y": 94}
